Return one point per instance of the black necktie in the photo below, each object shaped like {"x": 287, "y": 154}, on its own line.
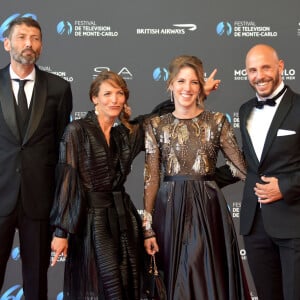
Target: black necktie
{"x": 270, "y": 102}
{"x": 22, "y": 100}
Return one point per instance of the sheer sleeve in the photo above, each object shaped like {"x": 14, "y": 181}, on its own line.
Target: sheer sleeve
{"x": 151, "y": 176}
{"x": 233, "y": 155}
{"x": 137, "y": 139}
{"x": 68, "y": 208}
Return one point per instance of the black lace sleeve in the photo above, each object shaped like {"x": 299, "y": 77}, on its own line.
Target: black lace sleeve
{"x": 68, "y": 207}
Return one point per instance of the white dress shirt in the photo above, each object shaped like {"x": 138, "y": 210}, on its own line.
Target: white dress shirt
{"x": 259, "y": 122}
{"x": 28, "y": 88}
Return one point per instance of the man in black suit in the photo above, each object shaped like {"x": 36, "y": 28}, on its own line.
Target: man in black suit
{"x": 270, "y": 212}
{"x": 28, "y": 153}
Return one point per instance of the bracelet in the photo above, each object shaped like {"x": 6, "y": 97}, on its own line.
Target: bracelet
{"x": 147, "y": 220}
{"x": 148, "y": 233}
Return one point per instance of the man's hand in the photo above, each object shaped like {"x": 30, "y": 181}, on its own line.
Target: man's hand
{"x": 268, "y": 192}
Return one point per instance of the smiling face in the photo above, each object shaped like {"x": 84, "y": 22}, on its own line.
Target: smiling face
{"x": 109, "y": 101}
{"x": 186, "y": 88}
{"x": 264, "y": 69}
{"x": 24, "y": 44}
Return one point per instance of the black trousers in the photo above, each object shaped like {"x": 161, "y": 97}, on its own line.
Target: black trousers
{"x": 35, "y": 239}
{"x": 274, "y": 263}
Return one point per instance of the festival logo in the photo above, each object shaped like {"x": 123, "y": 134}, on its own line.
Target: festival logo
{"x": 244, "y": 29}
{"x": 160, "y": 74}
{"x": 64, "y": 28}
{"x": 85, "y": 28}
{"x": 224, "y": 28}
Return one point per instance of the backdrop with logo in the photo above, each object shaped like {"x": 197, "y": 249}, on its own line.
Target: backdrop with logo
{"x": 137, "y": 39}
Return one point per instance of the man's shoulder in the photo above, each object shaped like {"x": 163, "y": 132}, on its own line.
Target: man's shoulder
{"x": 291, "y": 92}
{"x": 4, "y": 70}
{"x": 247, "y": 103}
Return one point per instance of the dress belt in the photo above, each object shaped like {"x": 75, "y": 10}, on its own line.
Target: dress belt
{"x": 189, "y": 177}
{"x": 109, "y": 199}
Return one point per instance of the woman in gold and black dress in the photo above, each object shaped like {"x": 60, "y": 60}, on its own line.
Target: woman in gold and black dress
{"x": 192, "y": 230}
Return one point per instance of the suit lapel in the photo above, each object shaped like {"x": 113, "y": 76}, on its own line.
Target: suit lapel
{"x": 7, "y": 102}
{"x": 283, "y": 109}
{"x": 38, "y": 103}
{"x": 247, "y": 140}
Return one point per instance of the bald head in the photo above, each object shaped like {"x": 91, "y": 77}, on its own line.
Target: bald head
{"x": 262, "y": 50}
{"x": 264, "y": 69}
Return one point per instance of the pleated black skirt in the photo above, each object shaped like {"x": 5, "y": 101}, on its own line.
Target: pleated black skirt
{"x": 199, "y": 253}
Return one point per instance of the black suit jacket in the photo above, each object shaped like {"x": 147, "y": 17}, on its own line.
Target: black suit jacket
{"x": 29, "y": 165}
{"x": 280, "y": 158}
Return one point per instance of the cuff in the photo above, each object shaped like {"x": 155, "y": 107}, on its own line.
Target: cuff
{"x": 60, "y": 233}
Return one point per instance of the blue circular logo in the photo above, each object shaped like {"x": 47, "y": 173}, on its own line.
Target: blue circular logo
{"x": 64, "y": 28}
{"x": 228, "y": 117}
{"x": 224, "y": 28}
{"x": 5, "y": 24}
{"x": 160, "y": 74}
{"x": 15, "y": 292}
{"x": 15, "y": 253}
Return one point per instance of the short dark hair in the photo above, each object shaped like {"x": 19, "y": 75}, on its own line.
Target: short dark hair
{"x": 28, "y": 21}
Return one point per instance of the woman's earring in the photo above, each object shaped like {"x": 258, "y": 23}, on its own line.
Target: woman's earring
{"x": 172, "y": 96}
{"x": 96, "y": 111}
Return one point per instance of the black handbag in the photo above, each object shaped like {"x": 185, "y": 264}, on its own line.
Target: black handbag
{"x": 154, "y": 287}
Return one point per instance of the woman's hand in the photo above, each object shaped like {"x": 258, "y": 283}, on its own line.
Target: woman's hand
{"x": 151, "y": 245}
{"x": 211, "y": 84}
{"x": 59, "y": 246}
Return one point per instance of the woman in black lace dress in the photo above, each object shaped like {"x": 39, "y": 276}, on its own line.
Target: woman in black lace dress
{"x": 192, "y": 231}
{"x": 92, "y": 208}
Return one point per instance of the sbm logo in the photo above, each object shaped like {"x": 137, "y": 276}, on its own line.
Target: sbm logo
{"x": 124, "y": 72}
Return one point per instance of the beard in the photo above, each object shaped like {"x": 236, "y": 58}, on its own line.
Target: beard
{"x": 275, "y": 81}
{"x": 25, "y": 59}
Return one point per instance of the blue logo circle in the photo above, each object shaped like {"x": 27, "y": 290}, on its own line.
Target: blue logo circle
{"x": 160, "y": 74}
{"x": 5, "y": 24}
{"x": 64, "y": 28}
{"x": 15, "y": 253}
{"x": 228, "y": 118}
{"x": 15, "y": 292}
{"x": 224, "y": 28}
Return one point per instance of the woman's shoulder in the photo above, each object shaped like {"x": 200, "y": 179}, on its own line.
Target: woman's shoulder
{"x": 217, "y": 116}
{"x": 79, "y": 125}
{"x": 76, "y": 125}
{"x": 160, "y": 118}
